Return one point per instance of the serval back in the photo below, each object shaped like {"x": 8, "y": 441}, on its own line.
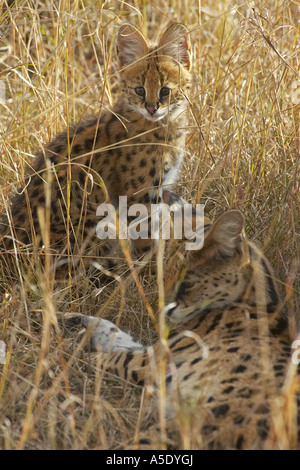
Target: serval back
{"x": 228, "y": 353}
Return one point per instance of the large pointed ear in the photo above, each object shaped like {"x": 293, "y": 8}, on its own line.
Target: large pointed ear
{"x": 175, "y": 43}
{"x": 227, "y": 233}
{"x": 131, "y": 44}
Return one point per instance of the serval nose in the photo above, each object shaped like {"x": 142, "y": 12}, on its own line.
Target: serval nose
{"x": 151, "y": 108}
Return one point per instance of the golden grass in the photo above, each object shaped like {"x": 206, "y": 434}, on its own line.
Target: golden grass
{"x": 58, "y": 63}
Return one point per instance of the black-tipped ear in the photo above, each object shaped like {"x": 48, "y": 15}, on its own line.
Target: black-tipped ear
{"x": 227, "y": 232}
{"x": 131, "y": 44}
{"x": 175, "y": 43}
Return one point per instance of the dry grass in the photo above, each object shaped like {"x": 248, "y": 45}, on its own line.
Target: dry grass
{"x": 57, "y": 63}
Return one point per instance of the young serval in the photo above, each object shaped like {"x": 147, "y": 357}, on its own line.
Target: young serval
{"x": 228, "y": 353}
{"x": 132, "y": 151}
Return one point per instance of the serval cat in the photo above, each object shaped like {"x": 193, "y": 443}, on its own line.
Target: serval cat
{"x": 227, "y": 355}
{"x": 133, "y": 150}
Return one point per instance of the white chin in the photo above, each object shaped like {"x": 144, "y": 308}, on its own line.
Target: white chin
{"x": 156, "y": 117}
{"x": 176, "y": 315}
{"x": 160, "y": 114}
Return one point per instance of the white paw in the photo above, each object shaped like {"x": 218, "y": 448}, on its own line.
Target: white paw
{"x": 107, "y": 337}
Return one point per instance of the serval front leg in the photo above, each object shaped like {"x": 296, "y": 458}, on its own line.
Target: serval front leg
{"x": 122, "y": 356}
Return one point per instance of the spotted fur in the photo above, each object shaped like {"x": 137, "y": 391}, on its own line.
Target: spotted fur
{"x": 228, "y": 352}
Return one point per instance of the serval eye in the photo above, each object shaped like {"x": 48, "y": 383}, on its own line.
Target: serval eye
{"x": 164, "y": 92}
{"x": 140, "y": 90}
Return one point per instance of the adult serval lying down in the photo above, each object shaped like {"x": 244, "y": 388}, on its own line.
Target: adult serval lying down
{"x": 226, "y": 357}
